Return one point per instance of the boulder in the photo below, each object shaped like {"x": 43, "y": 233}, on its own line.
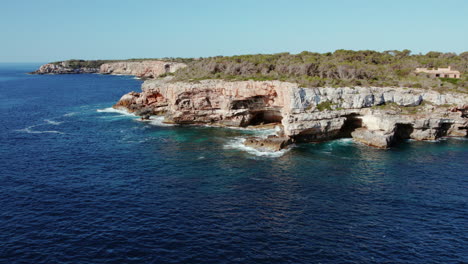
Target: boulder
{"x": 271, "y": 143}
{"x": 374, "y": 138}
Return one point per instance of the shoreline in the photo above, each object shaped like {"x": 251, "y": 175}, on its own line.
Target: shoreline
{"x": 376, "y": 116}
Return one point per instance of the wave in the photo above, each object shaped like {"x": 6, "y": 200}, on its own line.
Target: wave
{"x": 428, "y": 140}
{"x": 113, "y": 110}
{"x": 30, "y": 131}
{"x": 258, "y": 132}
{"x": 238, "y": 144}
{"x": 341, "y": 141}
{"x": 157, "y": 121}
{"x": 70, "y": 114}
{"x": 52, "y": 122}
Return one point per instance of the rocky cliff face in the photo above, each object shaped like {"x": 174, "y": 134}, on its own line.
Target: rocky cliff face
{"x": 145, "y": 69}
{"x": 374, "y": 116}
{"x": 62, "y": 68}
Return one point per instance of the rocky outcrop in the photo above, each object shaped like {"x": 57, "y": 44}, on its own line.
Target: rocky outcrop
{"x": 144, "y": 69}
{"x": 271, "y": 143}
{"x": 374, "y": 138}
{"x": 372, "y": 115}
{"x": 62, "y": 68}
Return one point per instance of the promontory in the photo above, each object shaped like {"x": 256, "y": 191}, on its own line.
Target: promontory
{"x": 377, "y": 98}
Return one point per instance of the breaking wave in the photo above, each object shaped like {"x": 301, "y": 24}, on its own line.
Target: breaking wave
{"x": 29, "y": 130}
{"x": 238, "y": 144}
{"x": 52, "y": 122}
{"x": 70, "y": 114}
{"x": 113, "y": 110}
{"x": 157, "y": 121}
{"x": 258, "y": 132}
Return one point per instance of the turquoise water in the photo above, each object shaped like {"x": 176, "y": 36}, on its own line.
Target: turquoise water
{"x": 81, "y": 183}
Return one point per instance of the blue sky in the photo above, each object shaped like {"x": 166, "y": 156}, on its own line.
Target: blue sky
{"x": 48, "y": 30}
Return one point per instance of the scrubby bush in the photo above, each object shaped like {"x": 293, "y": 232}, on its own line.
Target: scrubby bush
{"x": 340, "y": 68}
{"x": 310, "y": 69}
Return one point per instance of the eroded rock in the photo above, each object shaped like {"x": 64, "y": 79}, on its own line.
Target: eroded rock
{"x": 378, "y": 116}
{"x": 374, "y": 138}
{"x": 271, "y": 143}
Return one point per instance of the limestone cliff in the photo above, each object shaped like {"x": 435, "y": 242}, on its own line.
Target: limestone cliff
{"x": 63, "y": 68}
{"x": 144, "y": 69}
{"x": 372, "y": 115}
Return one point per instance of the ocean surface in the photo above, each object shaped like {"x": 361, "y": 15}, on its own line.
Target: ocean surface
{"x": 82, "y": 183}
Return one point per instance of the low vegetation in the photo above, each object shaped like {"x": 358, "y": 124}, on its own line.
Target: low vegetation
{"x": 327, "y": 105}
{"x": 309, "y": 69}
{"x": 340, "y": 68}
{"x": 76, "y": 64}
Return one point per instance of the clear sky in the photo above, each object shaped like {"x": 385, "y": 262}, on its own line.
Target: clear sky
{"x": 48, "y": 30}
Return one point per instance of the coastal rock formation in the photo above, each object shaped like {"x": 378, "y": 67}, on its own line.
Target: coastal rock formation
{"x": 271, "y": 143}
{"x": 62, "y": 68}
{"x": 144, "y": 69}
{"x": 375, "y": 116}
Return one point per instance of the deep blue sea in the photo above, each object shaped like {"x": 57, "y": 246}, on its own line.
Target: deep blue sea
{"x": 80, "y": 183}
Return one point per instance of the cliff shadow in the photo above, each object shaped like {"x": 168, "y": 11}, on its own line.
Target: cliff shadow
{"x": 443, "y": 129}
{"x": 262, "y": 117}
{"x": 352, "y": 122}
{"x": 402, "y": 132}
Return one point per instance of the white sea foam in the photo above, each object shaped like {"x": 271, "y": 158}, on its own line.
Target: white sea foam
{"x": 31, "y": 131}
{"x": 113, "y": 110}
{"x": 258, "y": 132}
{"x": 157, "y": 121}
{"x": 345, "y": 140}
{"x": 341, "y": 141}
{"x": 52, "y": 122}
{"x": 429, "y": 140}
{"x": 70, "y": 114}
{"x": 238, "y": 143}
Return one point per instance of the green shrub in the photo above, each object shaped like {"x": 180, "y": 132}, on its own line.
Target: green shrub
{"x": 326, "y": 105}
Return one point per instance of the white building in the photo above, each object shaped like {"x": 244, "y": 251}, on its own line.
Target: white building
{"x": 440, "y": 72}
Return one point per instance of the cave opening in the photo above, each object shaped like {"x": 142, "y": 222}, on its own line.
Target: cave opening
{"x": 262, "y": 117}
{"x": 255, "y": 102}
{"x": 443, "y": 129}
{"x": 402, "y": 132}
{"x": 352, "y": 122}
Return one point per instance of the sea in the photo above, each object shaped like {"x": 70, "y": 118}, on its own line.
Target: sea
{"x": 83, "y": 183}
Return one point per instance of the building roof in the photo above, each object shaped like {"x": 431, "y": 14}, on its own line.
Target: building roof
{"x": 439, "y": 70}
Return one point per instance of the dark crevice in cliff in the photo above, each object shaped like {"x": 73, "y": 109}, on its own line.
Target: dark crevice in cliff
{"x": 443, "y": 129}
{"x": 402, "y": 132}
{"x": 255, "y": 102}
{"x": 261, "y": 117}
{"x": 352, "y": 122}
